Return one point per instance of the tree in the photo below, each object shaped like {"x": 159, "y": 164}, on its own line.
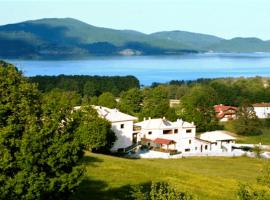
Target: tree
{"x": 197, "y": 106}
{"x": 247, "y": 123}
{"x": 38, "y": 150}
{"x": 94, "y": 133}
{"x": 156, "y": 103}
{"x": 90, "y": 89}
{"x": 131, "y": 101}
{"x": 107, "y": 99}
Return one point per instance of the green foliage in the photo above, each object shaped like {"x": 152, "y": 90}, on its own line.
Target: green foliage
{"x": 131, "y": 101}
{"x": 158, "y": 191}
{"x": 247, "y": 123}
{"x": 86, "y": 86}
{"x": 94, "y": 132}
{"x": 257, "y": 150}
{"x": 247, "y": 192}
{"x": 264, "y": 178}
{"x": 156, "y": 103}
{"x": 197, "y": 106}
{"x": 38, "y": 150}
{"x": 107, "y": 99}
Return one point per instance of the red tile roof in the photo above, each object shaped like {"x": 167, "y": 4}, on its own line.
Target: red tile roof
{"x": 164, "y": 141}
{"x": 261, "y": 105}
{"x": 221, "y": 107}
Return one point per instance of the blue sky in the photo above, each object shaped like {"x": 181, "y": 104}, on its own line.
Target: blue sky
{"x": 224, "y": 18}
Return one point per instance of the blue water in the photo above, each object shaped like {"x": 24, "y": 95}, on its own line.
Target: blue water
{"x": 150, "y": 69}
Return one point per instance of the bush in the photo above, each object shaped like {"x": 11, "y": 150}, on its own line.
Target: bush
{"x": 158, "y": 191}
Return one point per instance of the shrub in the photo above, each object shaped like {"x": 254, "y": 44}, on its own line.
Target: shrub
{"x": 158, "y": 191}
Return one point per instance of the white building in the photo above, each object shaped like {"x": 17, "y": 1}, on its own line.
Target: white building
{"x": 220, "y": 141}
{"x": 262, "y": 110}
{"x": 179, "y": 135}
{"x": 122, "y": 126}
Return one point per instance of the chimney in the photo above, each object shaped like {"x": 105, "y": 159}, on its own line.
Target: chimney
{"x": 144, "y": 119}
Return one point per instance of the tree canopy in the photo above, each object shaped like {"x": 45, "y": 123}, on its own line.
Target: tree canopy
{"x": 39, "y": 146}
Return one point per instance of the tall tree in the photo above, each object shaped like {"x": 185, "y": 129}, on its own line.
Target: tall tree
{"x": 247, "y": 123}
{"x": 107, "y": 99}
{"x": 94, "y": 133}
{"x": 156, "y": 104}
{"x": 38, "y": 149}
{"x": 197, "y": 106}
{"x": 131, "y": 101}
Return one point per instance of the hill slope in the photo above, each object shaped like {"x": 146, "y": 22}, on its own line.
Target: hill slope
{"x": 67, "y": 37}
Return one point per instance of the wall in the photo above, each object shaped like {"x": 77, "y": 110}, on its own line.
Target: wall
{"x": 262, "y": 112}
{"x": 124, "y": 135}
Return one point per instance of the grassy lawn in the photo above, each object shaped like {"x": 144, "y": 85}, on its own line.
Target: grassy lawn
{"x": 109, "y": 177}
{"x": 264, "y": 138}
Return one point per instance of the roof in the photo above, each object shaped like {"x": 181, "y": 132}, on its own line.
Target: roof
{"x": 215, "y": 136}
{"x": 164, "y": 141}
{"x": 261, "y": 105}
{"x": 113, "y": 115}
{"x": 146, "y": 140}
{"x": 202, "y": 140}
{"x": 223, "y": 108}
{"x": 160, "y": 123}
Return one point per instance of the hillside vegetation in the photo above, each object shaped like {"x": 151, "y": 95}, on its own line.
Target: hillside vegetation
{"x": 71, "y": 38}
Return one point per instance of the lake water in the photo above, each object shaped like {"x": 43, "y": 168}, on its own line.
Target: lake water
{"x": 150, "y": 69}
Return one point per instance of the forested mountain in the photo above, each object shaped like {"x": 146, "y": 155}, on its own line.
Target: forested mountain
{"x": 69, "y": 38}
{"x": 194, "y": 40}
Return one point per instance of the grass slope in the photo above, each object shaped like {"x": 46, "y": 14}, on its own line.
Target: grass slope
{"x": 109, "y": 177}
{"x": 263, "y": 139}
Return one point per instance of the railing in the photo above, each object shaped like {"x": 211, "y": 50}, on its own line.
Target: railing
{"x": 171, "y": 151}
{"x": 135, "y": 145}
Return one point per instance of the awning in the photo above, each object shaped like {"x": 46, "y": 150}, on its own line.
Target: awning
{"x": 164, "y": 141}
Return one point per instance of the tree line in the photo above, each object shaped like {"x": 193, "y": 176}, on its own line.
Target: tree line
{"x": 86, "y": 85}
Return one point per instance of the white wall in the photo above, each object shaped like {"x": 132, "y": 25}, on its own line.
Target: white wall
{"x": 181, "y": 138}
{"x": 123, "y": 135}
{"x": 262, "y": 112}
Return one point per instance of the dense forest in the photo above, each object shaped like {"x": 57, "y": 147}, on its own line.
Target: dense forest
{"x": 86, "y": 85}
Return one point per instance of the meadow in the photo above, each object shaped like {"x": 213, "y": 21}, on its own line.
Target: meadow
{"x": 207, "y": 178}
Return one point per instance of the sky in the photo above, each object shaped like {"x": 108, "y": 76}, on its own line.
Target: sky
{"x": 223, "y": 18}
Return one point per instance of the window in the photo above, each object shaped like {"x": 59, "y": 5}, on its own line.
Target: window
{"x": 122, "y": 126}
{"x": 175, "y": 130}
{"x": 167, "y": 131}
{"x": 189, "y": 141}
{"x": 188, "y": 131}
{"x": 150, "y": 132}
{"x": 187, "y": 150}
{"x": 206, "y": 147}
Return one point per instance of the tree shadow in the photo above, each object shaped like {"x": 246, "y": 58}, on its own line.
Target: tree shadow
{"x": 98, "y": 190}
{"x": 89, "y": 160}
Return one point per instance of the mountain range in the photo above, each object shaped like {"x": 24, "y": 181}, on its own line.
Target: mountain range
{"x": 71, "y": 38}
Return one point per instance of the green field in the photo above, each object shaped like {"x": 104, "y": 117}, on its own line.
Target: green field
{"x": 207, "y": 178}
{"x": 264, "y": 138}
